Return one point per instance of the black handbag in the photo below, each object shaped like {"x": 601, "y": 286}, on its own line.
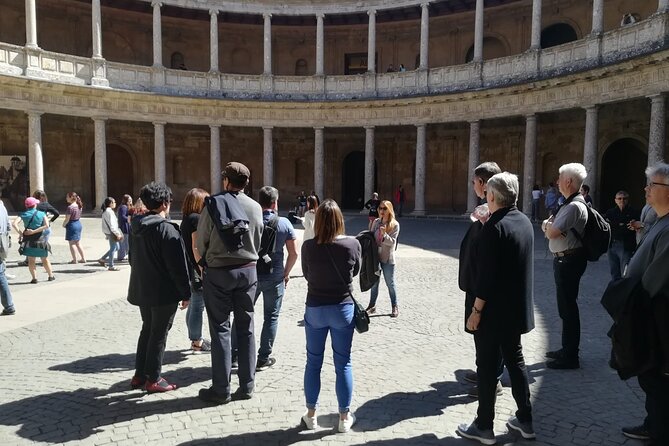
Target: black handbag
{"x": 360, "y": 316}
{"x": 32, "y": 237}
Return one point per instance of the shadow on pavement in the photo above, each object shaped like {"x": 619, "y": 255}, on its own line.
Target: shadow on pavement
{"x": 60, "y": 417}
{"x": 281, "y": 437}
{"x": 114, "y": 362}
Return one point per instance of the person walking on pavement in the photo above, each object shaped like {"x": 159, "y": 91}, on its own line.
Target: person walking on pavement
{"x": 111, "y": 231}
{"x": 229, "y": 281}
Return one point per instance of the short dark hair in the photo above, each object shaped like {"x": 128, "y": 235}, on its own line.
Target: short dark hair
{"x": 586, "y": 188}
{"x": 40, "y": 195}
{"x": 154, "y": 194}
{"x": 486, "y": 170}
{"x": 267, "y": 195}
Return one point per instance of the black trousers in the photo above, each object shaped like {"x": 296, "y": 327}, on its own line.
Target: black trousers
{"x": 491, "y": 347}
{"x": 656, "y": 387}
{"x": 231, "y": 291}
{"x": 156, "y": 323}
{"x": 567, "y": 272}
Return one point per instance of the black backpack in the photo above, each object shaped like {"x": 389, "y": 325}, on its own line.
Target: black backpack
{"x": 597, "y": 234}
{"x": 267, "y": 246}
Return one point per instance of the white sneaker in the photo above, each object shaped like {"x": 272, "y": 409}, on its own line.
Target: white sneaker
{"x": 345, "y": 425}
{"x": 310, "y": 423}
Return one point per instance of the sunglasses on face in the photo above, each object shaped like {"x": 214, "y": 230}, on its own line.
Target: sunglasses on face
{"x": 382, "y": 209}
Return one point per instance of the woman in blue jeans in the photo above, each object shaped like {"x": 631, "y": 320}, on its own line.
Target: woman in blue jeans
{"x": 329, "y": 309}
{"x": 386, "y": 231}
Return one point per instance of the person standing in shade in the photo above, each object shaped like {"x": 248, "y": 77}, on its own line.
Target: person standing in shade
{"x": 310, "y": 217}
{"x": 6, "y": 300}
{"x": 373, "y": 206}
{"x": 73, "y": 226}
{"x": 536, "y": 200}
{"x": 503, "y": 308}
{"x": 229, "y": 283}
{"x": 158, "y": 281}
{"x": 623, "y": 237}
{"x": 124, "y": 225}
{"x": 569, "y": 262}
{"x": 585, "y": 191}
{"x": 399, "y": 199}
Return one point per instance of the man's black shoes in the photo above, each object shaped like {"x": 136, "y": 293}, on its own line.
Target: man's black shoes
{"x": 636, "y": 432}
{"x": 210, "y": 396}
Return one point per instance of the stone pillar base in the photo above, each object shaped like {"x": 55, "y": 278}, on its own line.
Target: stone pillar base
{"x": 418, "y": 212}
{"x": 158, "y": 76}
{"x": 99, "y": 78}
{"x": 99, "y": 82}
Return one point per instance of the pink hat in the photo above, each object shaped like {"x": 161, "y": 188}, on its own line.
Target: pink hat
{"x": 31, "y": 202}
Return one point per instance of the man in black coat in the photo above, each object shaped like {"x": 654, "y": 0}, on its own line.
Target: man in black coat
{"x": 503, "y": 308}
{"x": 158, "y": 281}
{"x": 623, "y": 237}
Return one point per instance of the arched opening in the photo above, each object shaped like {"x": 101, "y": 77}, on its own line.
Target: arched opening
{"x": 177, "y": 61}
{"x": 353, "y": 181}
{"x": 120, "y": 173}
{"x": 492, "y": 49}
{"x": 301, "y": 68}
{"x": 623, "y": 166}
{"x": 557, "y": 34}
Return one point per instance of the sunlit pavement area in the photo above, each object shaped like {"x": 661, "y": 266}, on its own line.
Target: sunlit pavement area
{"x": 68, "y": 356}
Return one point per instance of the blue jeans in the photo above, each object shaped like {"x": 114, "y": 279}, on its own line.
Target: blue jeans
{"x": 194, "y": 314}
{"x": 338, "y": 321}
{"x": 123, "y": 247}
{"x": 113, "y": 247}
{"x": 5, "y": 294}
{"x": 389, "y": 275}
{"x": 272, "y": 294}
{"x": 618, "y": 259}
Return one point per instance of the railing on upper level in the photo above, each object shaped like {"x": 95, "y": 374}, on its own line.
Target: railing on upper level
{"x": 641, "y": 38}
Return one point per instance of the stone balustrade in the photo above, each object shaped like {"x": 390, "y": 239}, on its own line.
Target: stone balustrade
{"x": 615, "y": 46}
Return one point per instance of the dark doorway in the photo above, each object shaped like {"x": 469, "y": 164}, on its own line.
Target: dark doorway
{"x": 557, "y": 34}
{"x": 356, "y": 63}
{"x": 623, "y": 167}
{"x": 353, "y": 181}
{"x": 120, "y": 174}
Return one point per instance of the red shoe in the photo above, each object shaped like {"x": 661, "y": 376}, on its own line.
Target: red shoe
{"x": 159, "y": 386}
{"x": 137, "y": 382}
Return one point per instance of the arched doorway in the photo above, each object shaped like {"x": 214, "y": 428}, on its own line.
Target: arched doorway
{"x": 623, "y": 166}
{"x": 353, "y": 181}
{"x": 492, "y": 49}
{"x": 557, "y": 34}
{"x": 120, "y": 173}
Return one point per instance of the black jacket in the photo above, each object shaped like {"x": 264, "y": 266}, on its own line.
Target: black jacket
{"x": 44, "y": 206}
{"x": 467, "y": 267}
{"x": 159, "y": 275}
{"x": 505, "y": 272}
{"x": 371, "y": 267}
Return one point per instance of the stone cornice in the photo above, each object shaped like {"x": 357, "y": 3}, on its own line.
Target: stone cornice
{"x": 637, "y": 78}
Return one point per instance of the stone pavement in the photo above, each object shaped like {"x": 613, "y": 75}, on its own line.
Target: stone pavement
{"x": 68, "y": 358}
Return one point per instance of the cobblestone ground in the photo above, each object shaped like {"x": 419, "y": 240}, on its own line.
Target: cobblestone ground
{"x": 66, "y": 379}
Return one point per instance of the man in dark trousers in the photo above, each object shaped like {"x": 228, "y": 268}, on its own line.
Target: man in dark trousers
{"x": 503, "y": 308}
{"x": 650, "y": 263}
{"x": 229, "y": 285}
{"x": 623, "y": 237}
{"x": 467, "y": 264}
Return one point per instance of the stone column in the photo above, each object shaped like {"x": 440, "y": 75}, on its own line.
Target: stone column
{"x": 663, "y": 6}
{"x": 96, "y": 22}
{"x": 478, "y": 32}
{"x": 31, "y": 24}
{"x": 159, "y": 151}
{"x": 320, "y": 45}
{"x": 419, "y": 196}
{"x": 424, "y": 36}
{"x": 371, "y": 43}
{"x": 319, "y": 161}
{"x": 35, "y": 158}
{"x": 213, "y": 42}
{"x": 157, "y": 35}
{"x": 530, "y": 162}
{"x": 474, "y": 161}
{"x": 590, "y": 148}
{"x": 267, "y": 44}
{"x": 657, "y": 138}
{"x": 100, "y": 161}
{"x": 215, "y": 159}
{"x": 597, "y": 17}
{"x": 536, "y": 25}
{"x": 369, "y": 162}
{"x": 267, "y": 157}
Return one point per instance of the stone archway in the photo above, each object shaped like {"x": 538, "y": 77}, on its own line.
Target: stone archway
{"x": 623, "y": 166}
{"x": 492, "y": 49}
{"x": 353, "y": 181}
{"x": 557, "y": 34}
{"x": 120, "y": 173}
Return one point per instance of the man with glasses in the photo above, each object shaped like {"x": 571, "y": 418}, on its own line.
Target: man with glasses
{"x": 623, "y": 237}
{"x": 650, "y": 264}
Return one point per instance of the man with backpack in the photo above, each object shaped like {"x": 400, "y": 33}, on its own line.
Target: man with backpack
{"x": 273, "y": 276}
{"x": 564, "y": 232}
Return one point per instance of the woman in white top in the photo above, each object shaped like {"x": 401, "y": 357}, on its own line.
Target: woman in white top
{"x": 386, "y": 231}
{"x": 111, "y": 231}
{"x": 309, "y": 217}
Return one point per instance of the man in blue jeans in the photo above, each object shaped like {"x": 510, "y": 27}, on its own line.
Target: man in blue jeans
{"x": 273, "y": 285}
{"x": 5, "y": 295}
